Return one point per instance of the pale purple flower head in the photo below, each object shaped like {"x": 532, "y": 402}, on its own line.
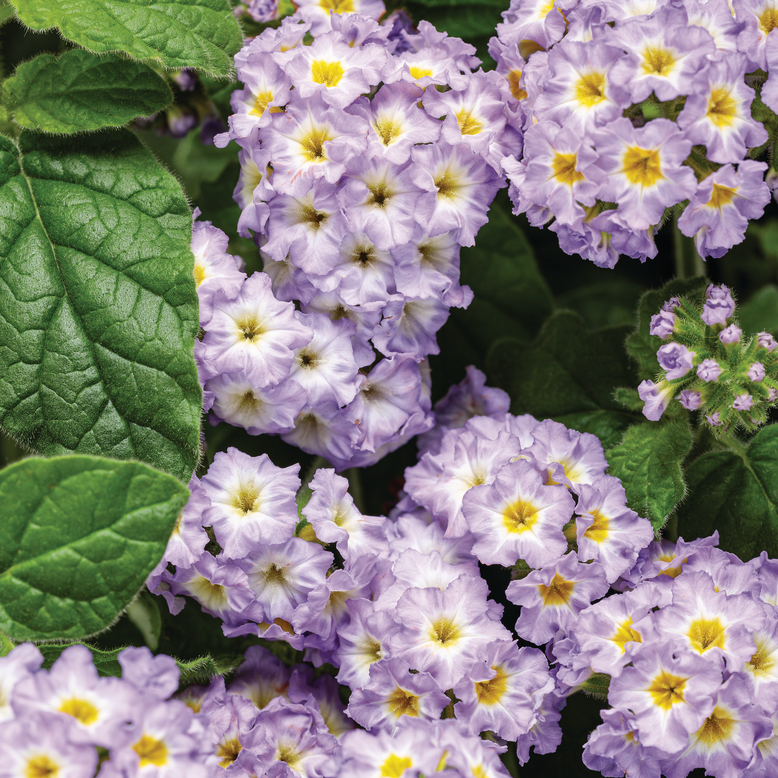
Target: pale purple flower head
{"x": 709, "y": 370}
{"x": 743, "y": 402}
{"x": 730, "y": 334}
{"x": 690, "y": 399}
{"x": 719, "y": 305}
{"x": 676, "y": 359}
{"x": 713, "y": 419}
{"x": 663, "y": 324}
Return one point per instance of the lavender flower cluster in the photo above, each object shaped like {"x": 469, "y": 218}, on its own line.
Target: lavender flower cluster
{"x": 270, "y": 721}
{"x": 635, "y": 110}
{"x": 707, "y": 364}
{"x": 369, "y": 156}
{"x": 686, "y": 636}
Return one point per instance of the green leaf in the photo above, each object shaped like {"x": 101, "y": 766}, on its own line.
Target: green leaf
{"x": 80, "y": 91}
{"x": 736, "y": 493}
{"x": 98, "y": 307}
{"x": 760, "y": 312}
{"x": 80, "y": 537}
{"x": 568, "y": 374}
{"x": 177, "y": 33}
{"x": 197, "y": 670}
{"x": 106, "y": 662}
{"x": 642, "y": 346}
{"x": 511, "y": 297}
{"x": 648, "y": 462}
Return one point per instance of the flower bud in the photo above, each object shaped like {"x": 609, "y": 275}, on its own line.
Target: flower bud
{"x": 709, "y": 370}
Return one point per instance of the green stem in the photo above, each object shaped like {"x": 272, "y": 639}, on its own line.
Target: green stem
{"x": 688, "y": 262}
{"x": 354, "y": 476}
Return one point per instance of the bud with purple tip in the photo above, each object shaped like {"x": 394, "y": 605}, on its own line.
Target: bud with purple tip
{"x": 730, "y": 334}
{"x": 766, "y": 340}
{"x": 719, "y": 306}
{"x": 743, "y": 402}
{"x": 676, "y": 359}
{"x": 756, "y": 372}
{"x": 709, "y": 370}
{"x": 690, "y": 399}
{"x": 663, "y": 324}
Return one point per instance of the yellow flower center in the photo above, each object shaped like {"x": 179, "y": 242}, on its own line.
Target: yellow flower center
{"x": 444, "y": 632}
{"x": 722, "y": 107}
{"x": 228, "y": 752}
{"x": 313, "y": 144}
{"x": 260, "y": 103}
{"x": 417, "y": 72}
{"x": 151, "y": 751}
{"x": 514, "y": 76}
{"x": 768, "y": 20}
{"x": 763, "y": 660}
{"x": 564, "y": 169}
{"x": 395, "y": 766}
{"x": 717, "y": 727}
{"x": 327, "y": 73}
{"x": 706, "y": 633}
{"x": 199, "y": 274}
{"x": 519, "y": 516}
{"x": 721, "y": 196}
{"x": 249, "y": 328}
{"x": 598, "y": 531}
{"x": 82, "y": 710}
{"x": 491, "y": 692}
{"x": 447, "y": 184}
{"x": 338, "y": 6}
{"x": 245, "y": 499}
{"x": 387, "y": 130}
{"x": 558, "y": 592}
{"x": 468, "y": 124}
{"x": 642, "y": 167}
{"x": 667, "y": 689}
{"x": 657, "y": 61}
{"x": 589, "y": 91}
{"x": 313, "y": 218}
{"x": 402, "y": 703}
{"x": 41, "y": 767}
{"x": 625, "y": 634}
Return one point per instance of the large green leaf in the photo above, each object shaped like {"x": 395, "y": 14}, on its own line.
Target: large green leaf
{"x": 98, "y": 307}
{"x": 81, "y": 91}
{"x": 648, "y": 462}
{"x": 568, "y": 374}
{"x": 736, "y": 493}
{"x": 80, "y": 537}
{"x": 641, "y": 345}
{"x": 177, "y": 33}
{"x": 511, "y": 297}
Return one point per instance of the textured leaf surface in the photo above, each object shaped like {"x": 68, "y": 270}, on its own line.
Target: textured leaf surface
{"x": 735, "y": 493}
{"x": 760, "y": 312}
{"x": 178, "y": 33}
{"x": 648, "y": 462}
{"x": 568, "y": 374}
{"x": 98, "y": 307}
{"x": 81, "y": 91}
{"x": 80, "y": 537}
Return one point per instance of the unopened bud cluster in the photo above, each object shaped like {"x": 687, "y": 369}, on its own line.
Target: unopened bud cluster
{"x": 708, "y": 364}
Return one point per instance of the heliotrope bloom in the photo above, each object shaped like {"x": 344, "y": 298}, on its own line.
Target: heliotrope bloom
{"x": 670, "y": 693}
{"x": 552, "y": 598}
{"x": 518, "y": 516}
